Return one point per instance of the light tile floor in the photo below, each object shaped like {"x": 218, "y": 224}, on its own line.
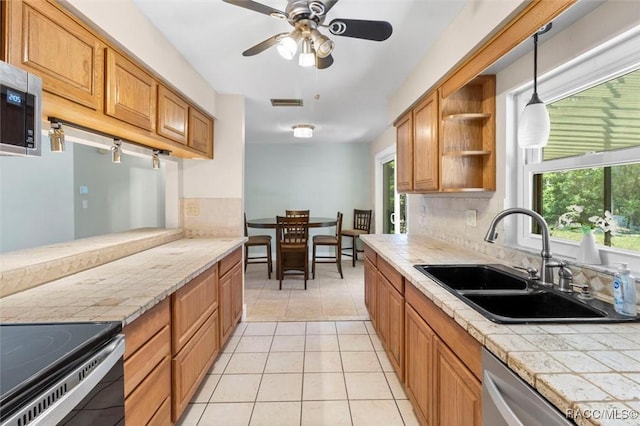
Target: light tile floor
{"x": 327, "y": 297}
{"x": 301, "y": 373}
{"x": 303, "y": 358}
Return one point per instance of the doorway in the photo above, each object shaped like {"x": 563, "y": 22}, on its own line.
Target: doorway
{"x": 393, "y": 206}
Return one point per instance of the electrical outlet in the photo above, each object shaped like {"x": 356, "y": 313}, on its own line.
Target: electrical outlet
{"x": 470, "y": 217}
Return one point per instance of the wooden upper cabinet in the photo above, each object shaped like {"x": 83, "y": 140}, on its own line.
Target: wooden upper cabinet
{"x": 173, "y": 115}
{"x": 200, "y": 131}
{"x": 44, "y": 40}
{"x": 404, "y": 153}
{"x": 130, "y": 92}
{"x": 426, "y": 156}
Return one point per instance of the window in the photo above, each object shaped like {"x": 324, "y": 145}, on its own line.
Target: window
{"x": 592, "y": 159}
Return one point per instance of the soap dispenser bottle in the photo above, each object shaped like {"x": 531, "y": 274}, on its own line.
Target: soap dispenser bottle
{"x": 618, "y": 301}
{"x": 629, "y": 297}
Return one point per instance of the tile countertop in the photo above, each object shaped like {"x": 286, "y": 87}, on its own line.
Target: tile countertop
{"x": 121, "y": 290}
{"x": 591, "y": 369}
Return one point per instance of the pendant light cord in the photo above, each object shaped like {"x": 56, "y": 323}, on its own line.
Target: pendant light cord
{"x": 535, "y": 63}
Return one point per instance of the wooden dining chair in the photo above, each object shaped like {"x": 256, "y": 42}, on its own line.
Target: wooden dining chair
{"x": 361, "y": 226}
{"x": 257, "y": 241}
{"x": 329, "y": 241}
{"x": 292, "y": 247}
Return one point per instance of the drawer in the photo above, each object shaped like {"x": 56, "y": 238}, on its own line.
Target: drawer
{"x": 389, "y": 272}
{"x": 230, "y": 261}
{"x": 144, "y": 402}
{"x": 162, "y": 417}
{"x": 370, "y": 254}
{"x": 191, "y": 364}
{"x": 192, "y": 305}
{"x": 144, "y": 328}
{"x": 144, "y": 360}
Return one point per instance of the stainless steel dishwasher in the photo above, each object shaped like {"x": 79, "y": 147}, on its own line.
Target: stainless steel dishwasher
{"x": 507, "y": 400}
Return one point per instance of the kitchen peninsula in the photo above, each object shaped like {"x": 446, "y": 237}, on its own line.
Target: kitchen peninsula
{"x": 178, "y": 303}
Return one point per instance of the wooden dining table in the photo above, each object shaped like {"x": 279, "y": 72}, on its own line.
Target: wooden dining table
{"x": 270, "y": 223}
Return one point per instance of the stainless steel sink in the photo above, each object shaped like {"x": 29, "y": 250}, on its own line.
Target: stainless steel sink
{"x": 504, "y": 295}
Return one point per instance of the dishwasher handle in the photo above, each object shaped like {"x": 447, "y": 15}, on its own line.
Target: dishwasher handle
{"x": 496, "y": 397}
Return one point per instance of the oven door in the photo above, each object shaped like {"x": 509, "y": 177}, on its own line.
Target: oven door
{"x": 92, "y": 394}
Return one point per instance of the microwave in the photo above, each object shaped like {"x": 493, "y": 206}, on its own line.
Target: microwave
{"x": 20, "y": 111}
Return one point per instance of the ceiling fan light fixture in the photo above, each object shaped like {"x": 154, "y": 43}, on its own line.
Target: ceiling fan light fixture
{"x": 288, "y": 45}
{"x": 303, "y": 131}
{"x": 307, "y": 57}
{"x": 323, "y": 45}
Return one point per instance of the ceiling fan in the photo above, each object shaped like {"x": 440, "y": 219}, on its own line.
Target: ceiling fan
{"x": 306, "y": 16}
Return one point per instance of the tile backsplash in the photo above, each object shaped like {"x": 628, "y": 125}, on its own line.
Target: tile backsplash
{"x": 445, "y": 218}
{"x": 212, "y": 217}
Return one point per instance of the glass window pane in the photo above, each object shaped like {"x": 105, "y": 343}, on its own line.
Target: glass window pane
{"x": 595, "y": 190}
{"x": 601, "y": 118}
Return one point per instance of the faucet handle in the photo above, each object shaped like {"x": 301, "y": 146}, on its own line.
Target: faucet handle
{"x": 532, "y": 271}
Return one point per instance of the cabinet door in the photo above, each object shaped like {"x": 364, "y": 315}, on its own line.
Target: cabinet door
{"x": 382, "y": 308}
{"x": 190, "y": 365}
{"x": 404, "y": 153}
{"x": 225, "y": 311}
{"x": 418, "y": 380}
{"x": 425, "y": 146}
{"x": 192, "y": 305}
{"x": 130, "y": 92}
{"x": 458, "y": 392}
{"x": 370, "y": 279}
{"x": 46, "y": 41}
{"x": 236, "y": 293}
{"x": 200, "y": 132}
{"x": 173, "y": 115}
{"x": 395, "y": 337}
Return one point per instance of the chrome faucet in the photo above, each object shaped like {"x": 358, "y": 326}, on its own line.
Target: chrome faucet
{"x": 546, "y": 266}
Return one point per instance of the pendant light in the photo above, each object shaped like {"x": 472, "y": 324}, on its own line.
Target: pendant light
{"x": 534, "y": 125}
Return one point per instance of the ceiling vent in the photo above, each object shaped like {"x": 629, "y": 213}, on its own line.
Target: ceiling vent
{"x": 286, "y": 102}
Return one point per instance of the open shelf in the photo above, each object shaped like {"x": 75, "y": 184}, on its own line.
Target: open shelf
{"x": 466, "y": 116}
{"x": 466, "y": 153}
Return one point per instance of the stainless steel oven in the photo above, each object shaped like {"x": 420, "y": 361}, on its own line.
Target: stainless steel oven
{"x": 62, "y": 374}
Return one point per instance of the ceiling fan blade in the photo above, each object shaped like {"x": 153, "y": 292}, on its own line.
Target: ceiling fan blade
{"x": 257, "y": 7}
{"x": 263, "y": 45}
{"x": 328, "y": 4}
{"x": 322, "y": 63}
{"x": 359, "y": 28}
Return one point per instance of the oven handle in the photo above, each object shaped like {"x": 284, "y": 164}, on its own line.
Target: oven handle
{"x": 110, "y": 355}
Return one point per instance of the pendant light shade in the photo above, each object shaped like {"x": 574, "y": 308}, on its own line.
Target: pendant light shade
{"x": 534, "y": 125}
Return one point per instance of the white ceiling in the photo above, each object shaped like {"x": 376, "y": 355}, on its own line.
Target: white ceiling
{"x": 353, "y": 92}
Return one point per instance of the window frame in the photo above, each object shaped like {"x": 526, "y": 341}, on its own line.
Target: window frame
{"x": 616, "y": 57}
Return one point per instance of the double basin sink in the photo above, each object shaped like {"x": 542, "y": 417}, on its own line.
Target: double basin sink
{"x": 505, "y": 296}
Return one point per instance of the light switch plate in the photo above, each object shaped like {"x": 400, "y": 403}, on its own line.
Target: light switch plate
{"x": 470, "y": 217}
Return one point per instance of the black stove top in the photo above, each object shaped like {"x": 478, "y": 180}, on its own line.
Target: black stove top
{"x": 32, "y": 355}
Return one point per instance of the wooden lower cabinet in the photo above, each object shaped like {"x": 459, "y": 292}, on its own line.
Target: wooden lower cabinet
{"x": 191, "y": 364}
{"x": 146, "y": 401}
{"x": 419, "y": 341}
{"x": 147, "y": 367}
{"x": 370, "y": 288}
{"x": 457, "y": 392}
{"x": 230, "y": 288}
{"x": 444, "y": 389}
{"x": 382, "y": 308}
{"x": 395, "y": 338}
